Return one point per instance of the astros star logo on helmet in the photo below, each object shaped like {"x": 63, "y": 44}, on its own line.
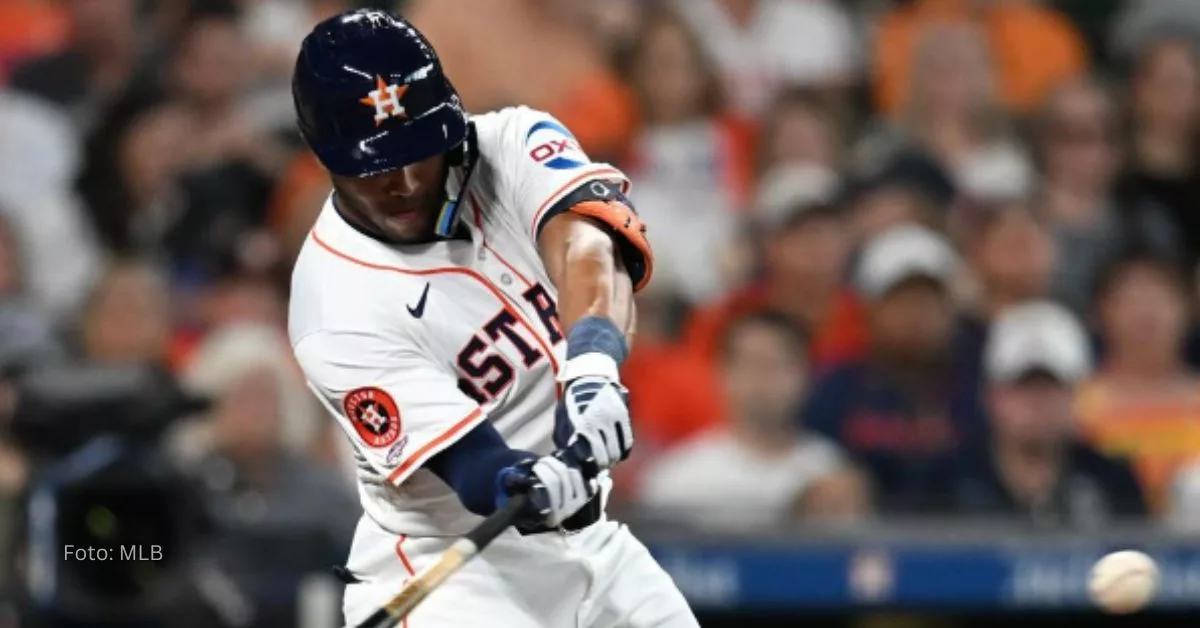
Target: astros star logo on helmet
{"x": 386, "y": 100}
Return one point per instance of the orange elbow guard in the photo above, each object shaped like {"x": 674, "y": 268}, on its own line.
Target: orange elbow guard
{"x": 634, "y": 247}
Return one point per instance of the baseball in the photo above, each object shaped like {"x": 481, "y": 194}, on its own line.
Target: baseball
{"x": 1123, "y": 582}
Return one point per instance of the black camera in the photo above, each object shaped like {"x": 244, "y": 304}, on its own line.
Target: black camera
{"x": 109, "y": 522}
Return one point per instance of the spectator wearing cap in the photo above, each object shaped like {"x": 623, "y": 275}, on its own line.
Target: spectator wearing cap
{"x": 909, "y": 186}
{"x": 1013, "y": 258}
{"x": 1140, "y": 23}
{"x": 1144, "y": 402}
{"x": 746, "y": 473}
{"x": 904, "y": 406}
{"x": 1033, "y": 466}
{"x": 799, "y": 154}
{"x": 806, "y": 247}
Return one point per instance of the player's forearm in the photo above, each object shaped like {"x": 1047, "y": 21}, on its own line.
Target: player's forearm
{"x": 584, "y": 264}
{"x": 596, "y": 284}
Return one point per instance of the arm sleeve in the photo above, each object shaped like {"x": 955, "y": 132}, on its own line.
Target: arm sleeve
{"x": 470, "y": 466}
{"x": 397, "y": 406}
{"x": 551, "y": 174}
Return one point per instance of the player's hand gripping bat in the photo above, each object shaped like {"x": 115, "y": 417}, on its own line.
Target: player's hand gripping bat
{"x": 463, "y": 550}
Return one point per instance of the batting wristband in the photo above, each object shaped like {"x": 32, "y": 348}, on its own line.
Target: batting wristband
{"x": 595, "y": 346}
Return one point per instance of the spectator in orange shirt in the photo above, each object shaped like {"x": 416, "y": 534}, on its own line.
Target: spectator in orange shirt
{"x": 952, "y": 111}
{"x": 29, "y": 28}
{"x": 807, "y": 246}
{"x": 1034, "y": 47}
{"x": 1145, "y": 402}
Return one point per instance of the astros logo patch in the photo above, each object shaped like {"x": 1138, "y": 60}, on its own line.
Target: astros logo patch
{"x": 374, "y": 415}
{"x": 386, "y": 100}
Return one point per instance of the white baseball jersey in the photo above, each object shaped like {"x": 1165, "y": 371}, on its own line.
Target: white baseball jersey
{"x": 410, "y": 347}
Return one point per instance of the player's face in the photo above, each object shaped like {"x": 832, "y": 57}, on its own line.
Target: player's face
{"x": 401, "y": 205}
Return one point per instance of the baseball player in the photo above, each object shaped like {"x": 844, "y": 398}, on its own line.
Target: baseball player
{"x": 462, "y": 306}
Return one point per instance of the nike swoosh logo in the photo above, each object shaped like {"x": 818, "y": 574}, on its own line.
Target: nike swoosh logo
{"x": 419, "y": 311}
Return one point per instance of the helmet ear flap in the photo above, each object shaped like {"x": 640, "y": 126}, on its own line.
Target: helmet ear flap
{"x": 457, "y": 155}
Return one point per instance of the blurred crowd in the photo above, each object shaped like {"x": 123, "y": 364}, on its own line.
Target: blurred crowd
{"x": 914, "y": 258}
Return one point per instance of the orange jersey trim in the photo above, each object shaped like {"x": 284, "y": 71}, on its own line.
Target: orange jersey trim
{"x": 418, "y": 455}
{"x": 403, "y": 558}
{"x": 407, "y": 566}
{"x": 459, "y": 270}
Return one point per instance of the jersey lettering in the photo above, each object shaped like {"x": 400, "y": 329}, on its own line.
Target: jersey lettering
{"x": 552, "y": 148}
{"x": 504, "y": 324}
{"x": 547, "y": 311}
{"x": 485, "y": 375}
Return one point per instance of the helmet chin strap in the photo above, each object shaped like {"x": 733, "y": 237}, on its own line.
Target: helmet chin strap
{"x": 461, "y": 162}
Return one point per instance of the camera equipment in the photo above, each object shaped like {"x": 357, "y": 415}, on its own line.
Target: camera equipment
{"x": 109, "y": 520}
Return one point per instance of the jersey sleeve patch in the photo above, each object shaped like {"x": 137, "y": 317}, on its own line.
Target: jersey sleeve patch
{"x": 550, "y": 145}
{"x": 374, "y": 415}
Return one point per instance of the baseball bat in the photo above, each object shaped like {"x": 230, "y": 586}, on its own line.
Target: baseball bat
{"x": 462, "y": 551}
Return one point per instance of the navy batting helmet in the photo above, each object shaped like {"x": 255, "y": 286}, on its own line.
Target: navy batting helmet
{"x": 370, "y": 95}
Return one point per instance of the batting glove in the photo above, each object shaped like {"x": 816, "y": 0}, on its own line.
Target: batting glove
{"x": 597, "y": 409}
{"x": 558, "y": 486}
{"x": 595, "y": 405}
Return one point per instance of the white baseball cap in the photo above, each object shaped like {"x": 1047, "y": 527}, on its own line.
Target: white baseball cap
{"x": 1037, "y": 336}
{"x": 901, "y": 253}
{"x": 787, "y": 190}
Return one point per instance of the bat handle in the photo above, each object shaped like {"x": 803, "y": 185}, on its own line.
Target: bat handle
{"x": 463, "y": 550}
{"x": 497, "y": 522}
